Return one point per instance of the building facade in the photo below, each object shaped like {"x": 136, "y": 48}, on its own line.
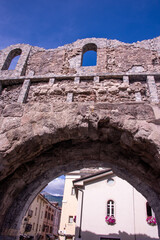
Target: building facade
{"x": 51, "y": 221}
{"x": 56, "y": 220}
{"x": 41, "y": 220}
{"x": 101, "y": 196}
{"x": 32, "y": 222}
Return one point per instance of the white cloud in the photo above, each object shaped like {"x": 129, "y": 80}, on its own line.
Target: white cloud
{"x": 56, "y": 186}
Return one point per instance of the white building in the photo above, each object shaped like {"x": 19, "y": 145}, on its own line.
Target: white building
{"x": 103, "y": 194}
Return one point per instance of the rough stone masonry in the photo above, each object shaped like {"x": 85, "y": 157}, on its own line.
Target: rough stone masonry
{"x": 57, "y": 116}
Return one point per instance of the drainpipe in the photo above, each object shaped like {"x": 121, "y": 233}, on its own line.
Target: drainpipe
{"x": 80, "y": 230}
{"x": 134, "y": 212}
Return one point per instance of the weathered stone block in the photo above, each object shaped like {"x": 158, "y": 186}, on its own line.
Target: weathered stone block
{"x": 5, "y": 144}
{"x": 113, "y": 90}
{"x": 13, "y": 110}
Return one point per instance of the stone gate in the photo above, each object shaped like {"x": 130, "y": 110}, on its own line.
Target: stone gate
{"x": 57, "y": 116}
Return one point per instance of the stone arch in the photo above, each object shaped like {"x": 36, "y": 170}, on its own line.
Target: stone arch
{"x": 67, "y": 137}
{"x": 88, "y": 47}
{"x": 12, "y": 54}
{"x": 8, "y": 54}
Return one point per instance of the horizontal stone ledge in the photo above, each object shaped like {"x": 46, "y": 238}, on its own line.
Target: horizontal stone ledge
{"x": 6, "y": 81}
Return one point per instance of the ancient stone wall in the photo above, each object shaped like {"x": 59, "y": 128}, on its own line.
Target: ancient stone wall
{"x": 57, "y": 115}
{"x": 104, "y": 82}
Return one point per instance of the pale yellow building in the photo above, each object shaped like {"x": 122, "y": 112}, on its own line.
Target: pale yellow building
{"x": 32, "y": 222}
{"x": 70, "y": 203}
{"x": 69, "y": 208}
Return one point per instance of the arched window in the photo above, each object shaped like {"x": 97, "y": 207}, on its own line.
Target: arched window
{"x": 149, "y": 211}
{"x": 12, "y": 59}
{"x": 110, "y": 208}
{"x": 89, "y": 55}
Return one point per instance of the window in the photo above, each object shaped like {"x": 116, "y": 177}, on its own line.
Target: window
{"x": 48, "y": 215}
{"x": 47, "y": 228}
{"x": 73, "y": 191}
{"x": 35, "y": 211}
{"x": 50, "y": 229}
{"x": 149, "y": 210}
{"x": 12, "y": 59}
{"x": 33, "y": 226}
{"x": 43, "y": 229}
{"x": 69, "y": 238}
{"x": 70, "y": 219}
{"x": 37, "y": 227}
{"x": 110, "y": 181}
{"x": 89, "y": 55}
{"x": 110, "y": 208}
{"x": 28, "y": 227}
{"x": 30, "y": 213}
{"x": 52, "y": 217}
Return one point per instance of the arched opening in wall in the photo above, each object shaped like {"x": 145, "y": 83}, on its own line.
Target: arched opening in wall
{"x": 82, "y": 209}
{"x": 12, "y": 59}
{"x": 149, "y": 210}
{"x": 89, "y": 55}
{"x": 48, "y": 152}
{"x": 42, "y": 219}
{"x": 110, "y": 208}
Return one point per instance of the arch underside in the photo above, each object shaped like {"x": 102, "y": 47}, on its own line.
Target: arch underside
{"x": 14, "y": 53}
{"x": 72, "y": 136}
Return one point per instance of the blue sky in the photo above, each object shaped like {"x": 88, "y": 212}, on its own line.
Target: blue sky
{"x": 56, "y": 186}
{"x": 52, "y": 23}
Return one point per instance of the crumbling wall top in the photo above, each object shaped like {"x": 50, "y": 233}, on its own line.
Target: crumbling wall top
{"x": 113, "y": 56}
